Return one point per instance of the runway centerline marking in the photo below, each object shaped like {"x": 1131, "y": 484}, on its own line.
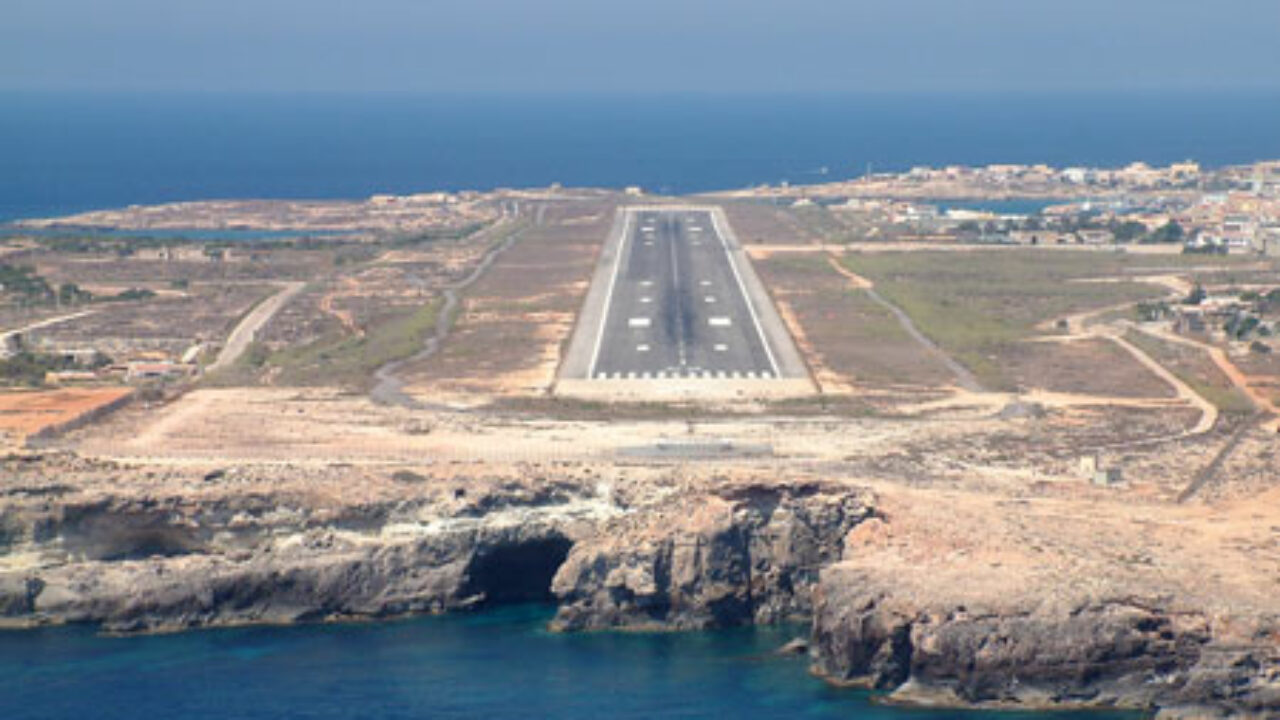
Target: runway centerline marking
{"x": 675, "y": 284}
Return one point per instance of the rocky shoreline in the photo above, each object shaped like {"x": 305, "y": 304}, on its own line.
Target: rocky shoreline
{"x": 649, "y": 551}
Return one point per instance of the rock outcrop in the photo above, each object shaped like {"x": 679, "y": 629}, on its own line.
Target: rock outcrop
{"x": 734, "y": 554}
{"x": 165, "y": 562}
{"x": 1036, "y": 653}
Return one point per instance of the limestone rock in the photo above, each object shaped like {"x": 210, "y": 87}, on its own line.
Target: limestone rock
{"x": 740, "y": 554}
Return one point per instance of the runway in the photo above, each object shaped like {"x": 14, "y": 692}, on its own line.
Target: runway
{"x": 677, "y": 306}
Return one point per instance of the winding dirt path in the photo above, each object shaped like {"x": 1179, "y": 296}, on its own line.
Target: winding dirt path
{"x": 343, "y": 316}
{"x": 389, "y": 388}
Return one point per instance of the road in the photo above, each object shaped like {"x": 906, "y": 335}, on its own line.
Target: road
{"x": 247, "y": 330}
{"x": 677, "y": 307}
{"x": 47, "y": 322}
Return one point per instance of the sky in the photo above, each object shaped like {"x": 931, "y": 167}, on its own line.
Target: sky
{"x": 638, "y": 47}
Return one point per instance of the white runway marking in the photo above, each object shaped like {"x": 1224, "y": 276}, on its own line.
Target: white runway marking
{"x": 705, "y": 283}
{"x": 720, "y": 322}
{"x": 608, "y": 298}
{"x": 711, "y": 298}
{"x": 640, "y": 322}
{"x": 646, "y": 283}
{"x": 646, "y": 299}
{"x": 721, "y": 347}
{"x": 681, "y": 350}
{"x": 642, "y": 348}
{"x": 733, "y": 265}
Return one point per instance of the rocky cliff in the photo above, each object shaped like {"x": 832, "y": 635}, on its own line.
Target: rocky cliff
{"x": 923, "y": 595}
{"x": 988, "y": 631}
{"x": 163, "y": 561}
{"x": 732, "y": 554}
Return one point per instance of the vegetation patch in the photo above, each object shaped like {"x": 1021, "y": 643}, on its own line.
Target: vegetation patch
{"x": 978, "y": 306}
{"x": 343, "y": 359}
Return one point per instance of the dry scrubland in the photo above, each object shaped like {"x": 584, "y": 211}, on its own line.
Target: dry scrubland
{"x": 1102, "y": 490}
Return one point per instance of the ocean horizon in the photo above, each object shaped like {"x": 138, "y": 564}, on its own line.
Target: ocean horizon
{"x": 62, "y": 153}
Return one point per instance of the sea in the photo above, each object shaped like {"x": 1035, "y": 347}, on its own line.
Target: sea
{"x": 62, "y": 153}
{"x": 496, "y": 664}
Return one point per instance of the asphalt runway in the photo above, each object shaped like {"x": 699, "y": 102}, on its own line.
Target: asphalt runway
{"x": 677, "y": 306}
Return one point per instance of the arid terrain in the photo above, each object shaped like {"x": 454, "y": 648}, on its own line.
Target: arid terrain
{"x": 1027, "y": 476}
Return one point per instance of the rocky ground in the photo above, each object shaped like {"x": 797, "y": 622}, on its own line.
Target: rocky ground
{"x": 942, "y": 559}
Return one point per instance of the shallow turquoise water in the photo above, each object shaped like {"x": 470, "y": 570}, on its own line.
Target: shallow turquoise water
{"x": 499, "y": 664}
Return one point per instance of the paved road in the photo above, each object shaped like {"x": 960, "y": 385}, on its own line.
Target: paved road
{"x": 244, "y": 333}
{"x": 677, "y": 306}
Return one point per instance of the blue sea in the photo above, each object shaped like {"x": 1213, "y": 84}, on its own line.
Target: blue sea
{"x": 499, "y": 664}
{"x": 63, "y": 153}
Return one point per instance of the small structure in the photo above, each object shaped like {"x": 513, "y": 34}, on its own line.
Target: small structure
{"x": 10, "y": 344}
{"x": 1091, "y": 467}
{"x": 139, "y": 371}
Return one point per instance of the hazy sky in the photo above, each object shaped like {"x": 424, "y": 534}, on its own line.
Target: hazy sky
{"x": 638, "y": 45}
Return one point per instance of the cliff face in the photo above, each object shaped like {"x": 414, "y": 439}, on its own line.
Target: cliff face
{"x": 735, "y": 555}
{"x": 917, "y": 594}
{"x": 1064, "y": 651}
{"x": 164, "y": 562}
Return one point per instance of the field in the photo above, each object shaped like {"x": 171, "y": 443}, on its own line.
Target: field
{"x": 514, "y": 321}
{"x": 848, "y": 338}
{"x": 27, "y": 413}
{"x": 1196, "y": 369}
{"x": 981, "y": 306}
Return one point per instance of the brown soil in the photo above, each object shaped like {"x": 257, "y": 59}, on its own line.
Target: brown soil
{"x": 25, "y": 413}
